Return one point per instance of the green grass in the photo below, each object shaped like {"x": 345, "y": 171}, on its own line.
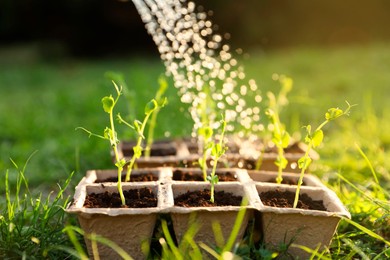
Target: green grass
{"x": 41, "y": 104}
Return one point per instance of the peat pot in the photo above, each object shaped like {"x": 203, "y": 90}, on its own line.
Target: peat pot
{"x": 304, "y": 227}
{"x": 129, "y": 228}
{"x": 289, "y": 178}
{"x": 151, "y": 175}
{"x": 205, "y": 217}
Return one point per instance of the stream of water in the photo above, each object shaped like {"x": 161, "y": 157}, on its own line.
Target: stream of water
{"x": 204, "y": 69}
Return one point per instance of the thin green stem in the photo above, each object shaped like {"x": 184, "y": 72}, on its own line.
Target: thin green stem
{"x": 368, "y": 163}
{"x": 279, "y": 178}
{"x": 153, "y": 119}
{"x": 114, "y": 144}
{"x": 277, "y": 126}
{"x": 152, "y": 126}
{"x": 300, "y": 180}
{"x": 204, "y": 165}
{"x": 138, "y": 147}
{"x": 132, "y": 160}
{"x": 212, "y": 182}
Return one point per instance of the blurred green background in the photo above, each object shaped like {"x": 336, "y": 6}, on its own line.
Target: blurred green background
{"x": 54, "y": 55}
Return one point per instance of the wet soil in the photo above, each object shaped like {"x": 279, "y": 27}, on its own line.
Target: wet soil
{"x": 285, "y": 199}
{"x": 179, "y": 175}
{"x": 201, "y": 198}
{"x": 133, "y": 178}
{"x": 136, "y": 198}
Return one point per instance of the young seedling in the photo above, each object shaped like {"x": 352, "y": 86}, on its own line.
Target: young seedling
{"x": 205, "y": 110}
{"x": 218, "y": 149}
{"x": 110, "y": 134}
{"x": 152, "y": 123}
{"x": 206, "y": 133}
{"x": 129, "y": 94}
{"x": 313, "y": 140}
{"x": 280, "y": 137}
{"x": 139, "y": 127}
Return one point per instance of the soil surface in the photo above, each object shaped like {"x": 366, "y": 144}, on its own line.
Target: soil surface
{"x": 179, "y": 175}
{"x": 133, "y": 178}
{"x": 285, "y": 199}
{"x": 136, "y": 198}
{"x": 201, "y": 198}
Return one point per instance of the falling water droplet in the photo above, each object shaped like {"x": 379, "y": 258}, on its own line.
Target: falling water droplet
{"x": 199, "y": 62}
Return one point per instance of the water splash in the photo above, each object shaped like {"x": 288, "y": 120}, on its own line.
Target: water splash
{"x": 203, "y": 68}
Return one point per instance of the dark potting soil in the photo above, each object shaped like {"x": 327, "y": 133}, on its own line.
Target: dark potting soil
{"x": 285, "y": 199}
{"x": 133, "y": 178}
{"x": 201, "y": 198}
{"x": 179, "y": 175}
{"x": 136, "y": 198}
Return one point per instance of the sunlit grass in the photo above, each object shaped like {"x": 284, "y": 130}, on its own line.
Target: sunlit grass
{"x": 42, "y": 103}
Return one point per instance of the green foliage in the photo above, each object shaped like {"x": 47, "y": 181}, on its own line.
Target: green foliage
{"x": 53, "y": 88}
{"x": 161, "y": 102}
{"x": 110, "y": 134}
{"x": 280, "y": 137}
{"x": 188, "y": 248}
{"x": 314, "y": 140}
{"x": 139, "y": 128}
{"x": 30, "y": 225}
{"x": 205, "y": 134}
{"x": 217, "y": 151}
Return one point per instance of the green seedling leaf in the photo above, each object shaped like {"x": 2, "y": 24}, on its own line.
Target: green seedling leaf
{"x": 285, "y": 139}
{"x": 304, "y": 162}
{"x": 276, "y": 139}
{"x": 213, "y": 179}
{"x": 281, "y": 161}
{"x": 151, "y": 106}
{"x": 111, "y": 136}
{"x": 216, "y": 150}
{"x": 121, "y": 163}
{"x": 206, "y": 132}
{"x": 317, "y": 138}
{"x": 108, "y": 103}
{"x": 333, "y": 113}
{"x": 137, "y": 151}
{"x": 107, "y": 133}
